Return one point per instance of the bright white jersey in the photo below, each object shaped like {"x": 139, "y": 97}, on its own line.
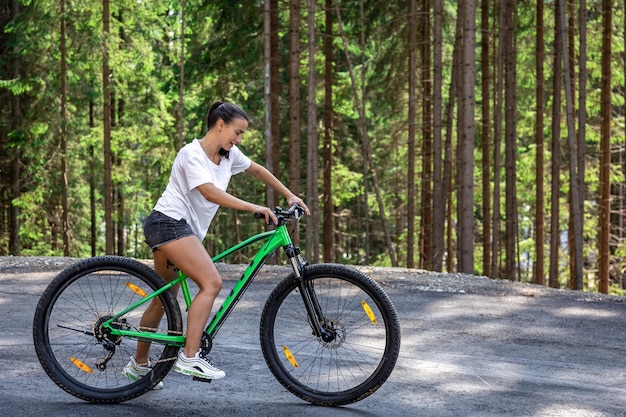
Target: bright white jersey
{"x": 192, "y": 167}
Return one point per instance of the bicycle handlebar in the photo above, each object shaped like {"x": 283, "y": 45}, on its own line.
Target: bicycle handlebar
{"x": 284, "y": 215}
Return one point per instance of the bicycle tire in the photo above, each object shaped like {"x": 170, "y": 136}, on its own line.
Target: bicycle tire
{"x": 352, "y": 366}
{"x": 69, "y": 341}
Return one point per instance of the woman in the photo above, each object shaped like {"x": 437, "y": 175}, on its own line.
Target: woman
{"x": 180, "y": 220}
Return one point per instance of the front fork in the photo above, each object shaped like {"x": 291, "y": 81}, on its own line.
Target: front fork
{"x": 307, "y": 291}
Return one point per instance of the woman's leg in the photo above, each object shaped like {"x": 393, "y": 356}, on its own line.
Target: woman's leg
{"x": 154, "y": 313}
{"x": 189, "y": 255}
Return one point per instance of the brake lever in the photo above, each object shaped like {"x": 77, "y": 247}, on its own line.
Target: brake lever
{"x": 296, "y": 211}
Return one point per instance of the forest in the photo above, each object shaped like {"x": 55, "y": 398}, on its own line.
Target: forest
{"x": 482, "y": 137}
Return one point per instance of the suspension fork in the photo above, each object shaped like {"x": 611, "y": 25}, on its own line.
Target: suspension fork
{"x": 307, "y": 292}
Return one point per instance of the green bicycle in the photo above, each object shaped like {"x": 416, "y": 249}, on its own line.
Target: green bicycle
{"x": 329, "y": 334}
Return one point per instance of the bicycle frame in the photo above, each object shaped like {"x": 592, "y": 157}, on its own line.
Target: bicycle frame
{"x": 275, "y": 239}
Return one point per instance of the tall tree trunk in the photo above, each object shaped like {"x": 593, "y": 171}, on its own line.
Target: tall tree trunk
{"x": 294, "y": 97}
{"x": 267, "y": 62}
{"x": 465, "y": 188}
{"x": 329, "y": 220}
{"x": 511, "y": 142}
{"x": 16, "y": 121}
{"x": 605, "y": 149}
{"x": 448, "y": 159}
{"x": 556, "y": 154}
{"x": 412, "y": 45}
{"x": 426, "y": 241}
{"x": 539, "y": 275}
{"x": 570, "y": 91}
{"x": 366, "y": 185}
{"x": 117, "y": 113}
{"x": 438, "y": 183}
{"x": 448, "y": 177}
{"x": 121, "y": 217}
{"x": 108, "y": 157}
{"x": 486, "y": 137}
{"x": 92, "y": 183}
{"x": 275, "y": 91}
{"x": 497, "y": 140}
{"x": 64, "y": 186}
{"x": 460, "y": 123}
{"x": 312, "y": 230}
{"x": 582, "y": 105}
{"x": 181, "y": 79}
{"x": 272, "y": 85}
{"x": 573, "y": 161}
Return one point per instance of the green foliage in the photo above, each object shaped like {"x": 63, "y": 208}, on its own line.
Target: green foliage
{"x": 223, "y": 59}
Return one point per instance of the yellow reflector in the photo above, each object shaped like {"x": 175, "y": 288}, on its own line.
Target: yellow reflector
{"x": 290, "y": 357}
{"x": 136, "y": 289}
{"x": 81, "y": 365}
{"x": 369, "y": 312}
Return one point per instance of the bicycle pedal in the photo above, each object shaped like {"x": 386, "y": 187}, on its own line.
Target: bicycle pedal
{"x": 196, "y": 378}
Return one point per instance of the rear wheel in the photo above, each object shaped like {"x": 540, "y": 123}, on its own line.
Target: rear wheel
{"x": 358, "y": 350}
{"x": 77, "y": 352}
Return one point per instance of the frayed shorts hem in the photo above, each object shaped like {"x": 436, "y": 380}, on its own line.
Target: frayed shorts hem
{"x": 160, "y": 229}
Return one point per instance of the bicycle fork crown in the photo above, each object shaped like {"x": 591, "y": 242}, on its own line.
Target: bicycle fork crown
{"x": 297, "y": 260}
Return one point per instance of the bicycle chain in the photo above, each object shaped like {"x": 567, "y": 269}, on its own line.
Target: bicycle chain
{"x": 154, "y": 330}
{"x": 146, "y": 328}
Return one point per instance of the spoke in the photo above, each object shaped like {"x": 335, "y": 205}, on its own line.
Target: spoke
{"x": 88, "y": 333}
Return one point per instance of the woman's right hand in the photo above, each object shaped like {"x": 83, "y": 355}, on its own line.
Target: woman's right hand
{"x": 266, "y": 213}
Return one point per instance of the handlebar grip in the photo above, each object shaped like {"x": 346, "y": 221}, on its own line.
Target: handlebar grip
{"x": 261, "y": 216}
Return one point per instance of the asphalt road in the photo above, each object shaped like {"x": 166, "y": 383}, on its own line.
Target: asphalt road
{"x": 462, "y": 355}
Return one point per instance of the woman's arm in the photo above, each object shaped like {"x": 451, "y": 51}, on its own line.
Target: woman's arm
{"x": 262, "y": 174}
{"x": 223, "y": 199}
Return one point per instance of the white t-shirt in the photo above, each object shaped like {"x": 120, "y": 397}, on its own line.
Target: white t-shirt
{"x": 192, "y": 167}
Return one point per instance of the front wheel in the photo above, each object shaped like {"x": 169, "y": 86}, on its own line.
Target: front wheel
{"x": 361, "y": 340}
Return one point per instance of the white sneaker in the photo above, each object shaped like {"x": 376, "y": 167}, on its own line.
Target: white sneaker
{"x": 197, "y": 366}
{"x": 135, "y": 372}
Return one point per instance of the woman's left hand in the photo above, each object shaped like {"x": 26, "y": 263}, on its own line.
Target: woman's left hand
{"x": 294, "y": 199}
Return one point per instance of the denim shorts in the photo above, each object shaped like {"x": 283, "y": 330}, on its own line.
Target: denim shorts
{"x": 160, "y": 229}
